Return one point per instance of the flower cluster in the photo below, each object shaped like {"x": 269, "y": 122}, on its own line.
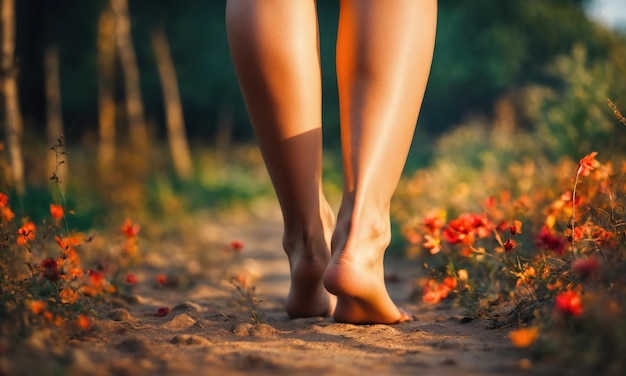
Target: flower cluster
{"x": 568, "y": 260}
{"x": 48, "y": 280}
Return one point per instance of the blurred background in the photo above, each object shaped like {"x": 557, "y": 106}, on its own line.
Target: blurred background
{"x": 147, "y": 101}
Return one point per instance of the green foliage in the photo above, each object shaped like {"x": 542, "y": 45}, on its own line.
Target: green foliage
{"x": 572, "y": 118}
{"x": 484, "y": 49}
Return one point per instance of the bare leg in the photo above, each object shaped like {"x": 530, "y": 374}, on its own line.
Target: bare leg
{"x": 274, "y": 46}
{"x": 384, "y": 52}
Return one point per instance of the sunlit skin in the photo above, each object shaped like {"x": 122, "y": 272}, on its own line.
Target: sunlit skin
{"x": 384, "y": 51}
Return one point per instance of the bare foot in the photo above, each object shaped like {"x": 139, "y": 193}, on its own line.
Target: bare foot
{"x": 308, "y": 258}
{"x": 355, "y": 274}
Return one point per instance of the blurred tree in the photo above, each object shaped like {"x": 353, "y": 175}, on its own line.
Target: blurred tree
{"x": 176, "y": 134}
{"x": 12, "y": 114}
{"x": 134, "y": 104}
{"x": 485, "y": 50}
{"x": 107, "y": 107}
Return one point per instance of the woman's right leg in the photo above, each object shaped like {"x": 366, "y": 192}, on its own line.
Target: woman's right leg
{"x": 274, "y": 46}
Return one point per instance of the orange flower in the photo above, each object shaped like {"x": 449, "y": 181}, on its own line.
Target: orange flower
{"x": 6, "y": 214}
{"x": 524, "y": 337}
{"x": 4, "y": 200}
{"x": 37, "y": 306}
{"x": 75, "y": 272}
{"x": 432, "y": 243}
{"x": 68, "y": 296}
{"x": 586, "y": 165}
{"x": 89, "y": 291}
{"x": 433, "y": 292}
{"x": 411, "y": 235}
{"x": 130, "y": 229}
{"x": 569, "y": 303}
{"x": 241, "y": 280}
{"x": 96, "y": 279}
{"x": 82, "y": 322}
{"x": 67, "y": 245}
{"x": 26, "y": 233}
{"x": 56, "y": 211}
{"x": 450, "y": 282}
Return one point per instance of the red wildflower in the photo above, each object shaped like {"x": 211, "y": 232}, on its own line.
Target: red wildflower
{"x": 50, "y": 269}
{"x": 130, "y": 229}
{"x": 26, "y": 233}
{"x": 451, "y": 236}
{"x": 466, "y": 228}
{"x": 161, "y": 279}
{"x": 433, "y": 224}
{"x": 56, "y": 211}
{"x": 163, "y": 311}
{"x": 569, "y": 303}
{"x": 547, "y": 240}
{"x": 586, "y": 165}
{"x": 515, "y": 228}
{"x": 509, "y": 245}
{"x": 131, "y": 279}
{"x": 236, "y": 245}
{"x": 584, "y": 267}
{"x": 4, "y": 200}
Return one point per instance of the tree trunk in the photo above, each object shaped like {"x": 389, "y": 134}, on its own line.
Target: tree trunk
{"x": 13, "y": 117}
{"x": 177, "y": 136}
{"x": 225, "y": 121}
{"x": 57, "y": 164}
{"x": 134, "y": 104}
{"x": 106, "y": 98}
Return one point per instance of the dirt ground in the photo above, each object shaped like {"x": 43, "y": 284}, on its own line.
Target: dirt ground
{"x": 209, "y": 329}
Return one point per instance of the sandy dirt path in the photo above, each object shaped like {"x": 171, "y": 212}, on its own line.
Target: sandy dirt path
{"x": 209, "y": 330}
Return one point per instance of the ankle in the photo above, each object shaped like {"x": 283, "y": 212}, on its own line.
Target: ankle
{"x": 309, "y": 234}
{"x": 373, "y": 228}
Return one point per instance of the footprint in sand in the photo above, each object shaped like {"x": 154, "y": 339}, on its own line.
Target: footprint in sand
{"x": 258, "y": 330}
{"x": 183, "y": 339}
